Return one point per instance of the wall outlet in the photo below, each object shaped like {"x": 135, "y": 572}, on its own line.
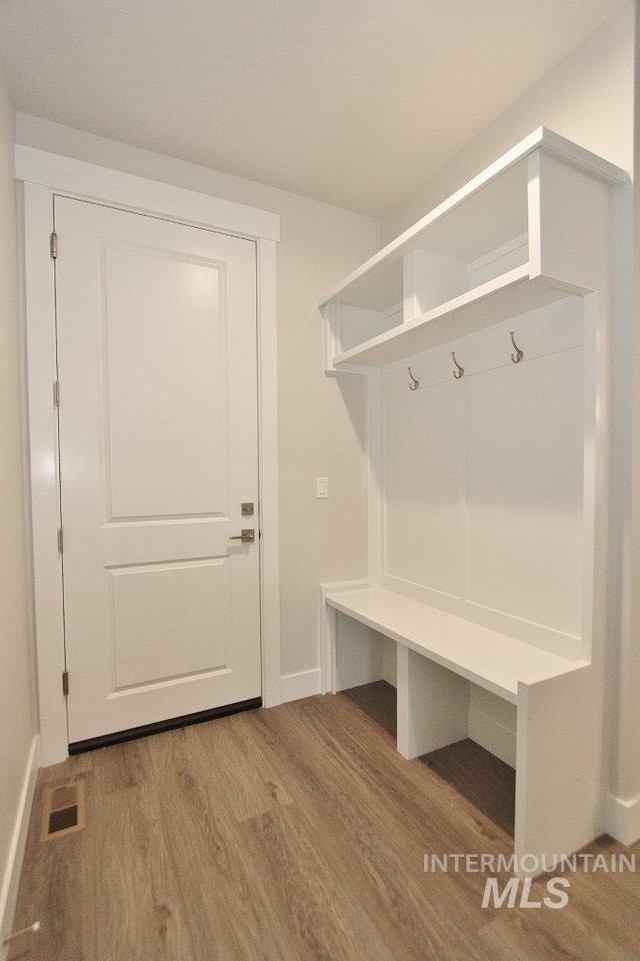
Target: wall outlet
{"x": 322, "y": 487}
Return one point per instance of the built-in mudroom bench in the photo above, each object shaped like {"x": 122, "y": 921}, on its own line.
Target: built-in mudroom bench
{"x": 484, "y": 333}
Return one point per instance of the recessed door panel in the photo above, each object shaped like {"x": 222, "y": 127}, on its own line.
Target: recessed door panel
{"x": 165, "y": 356}
{"x": 525, "y": 466}
{"x": 169, "y": 621}
{"x": 424, "y": 478}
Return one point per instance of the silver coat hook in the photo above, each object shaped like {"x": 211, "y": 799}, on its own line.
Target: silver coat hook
{"x": 519, "y": 354}
{"x": 414, "y": 383}
{"x": 459, "y": 371}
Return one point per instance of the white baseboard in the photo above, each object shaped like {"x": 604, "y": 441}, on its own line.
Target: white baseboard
{"x": 13, "y": 867}
{"x": 303, "y": 684}
{"x": 623, "y": 819}
{"x": 492, "y": 737}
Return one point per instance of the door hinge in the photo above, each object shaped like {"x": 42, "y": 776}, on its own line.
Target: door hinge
{"x": 65, "y": 683}
{"x": 61, "y": 539}
{"x": 56, "y": 393}
{"x": 53, "y": 243}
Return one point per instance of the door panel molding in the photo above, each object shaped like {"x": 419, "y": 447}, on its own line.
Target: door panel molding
{"x": 41, "y": 176}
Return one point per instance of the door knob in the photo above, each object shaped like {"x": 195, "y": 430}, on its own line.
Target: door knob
{"x": 247, "y": 536}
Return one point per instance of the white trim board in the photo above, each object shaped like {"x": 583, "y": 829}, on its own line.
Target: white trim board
{"x": 43, "y": 176}
{"x": 326, "y": 631}
{"x": 76, "y": 178}
{"x": 299, "y": 685}
{"x": 622, "y": 820}
{"x": 13, "y": 867}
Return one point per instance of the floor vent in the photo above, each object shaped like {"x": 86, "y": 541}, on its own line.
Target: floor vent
{"x": 63, "y": 811}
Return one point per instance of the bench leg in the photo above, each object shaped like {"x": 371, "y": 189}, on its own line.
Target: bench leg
{"x": 433, "y": 705}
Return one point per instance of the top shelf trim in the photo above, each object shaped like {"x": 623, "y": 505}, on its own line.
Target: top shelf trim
{"x": 542, "y": 138}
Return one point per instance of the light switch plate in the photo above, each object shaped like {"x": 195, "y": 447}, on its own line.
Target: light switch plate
{"x": 322, "y": 487}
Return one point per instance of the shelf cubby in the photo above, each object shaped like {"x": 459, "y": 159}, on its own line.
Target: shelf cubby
{"x": 490, "y": 251}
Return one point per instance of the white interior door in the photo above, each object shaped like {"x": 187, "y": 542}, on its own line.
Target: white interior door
{"x": 157, "y": 363}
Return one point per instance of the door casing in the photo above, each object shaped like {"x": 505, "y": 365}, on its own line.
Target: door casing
{"x": 41, "y": 176}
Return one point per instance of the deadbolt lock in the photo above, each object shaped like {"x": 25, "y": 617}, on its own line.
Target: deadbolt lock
{"x": 247, "y": 509}
{"x": 246, "y": 536}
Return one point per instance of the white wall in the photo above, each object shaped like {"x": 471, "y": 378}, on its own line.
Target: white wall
{"x": 321, "y": 420}
{"x": 589, "y": 98}
{"x": 17, "y": 723}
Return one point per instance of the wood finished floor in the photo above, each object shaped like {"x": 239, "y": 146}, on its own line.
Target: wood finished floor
{"x": 297, "y": 834}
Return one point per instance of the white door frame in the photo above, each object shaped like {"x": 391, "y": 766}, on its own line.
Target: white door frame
{"x": 40, "y": 176}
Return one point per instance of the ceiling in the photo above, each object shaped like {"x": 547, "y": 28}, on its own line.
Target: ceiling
{"x": 353, "y": 102}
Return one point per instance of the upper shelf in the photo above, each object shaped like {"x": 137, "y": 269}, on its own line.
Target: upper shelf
{"x": 507, "y": 200}
{"x": 490, "y": 218}
{"x": 475, "y": 259}
{"x": 509, "y": 295}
